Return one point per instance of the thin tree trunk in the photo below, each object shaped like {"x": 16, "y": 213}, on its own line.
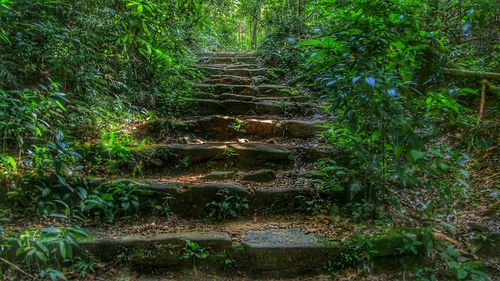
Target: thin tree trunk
{"x": 256, "y": 20}
{"x": 482, "y": 104}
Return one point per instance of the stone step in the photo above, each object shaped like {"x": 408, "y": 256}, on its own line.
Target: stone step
{"x": 227, "y": 54}
{"x": 229, "y": 59}
{"x": 247, "y": 72}
{"x": 224, "y": 127}
{"x": 232, "y": 80}
{"x": 239, "y": 107}
{"x": 211, "y": 156}
{"x": 266, "y": 252}
{"x": 228, "y": 96}
{"x": 260, "y": 90}
{"x": 191, "y": 200}
{"x": 230, "y": 66}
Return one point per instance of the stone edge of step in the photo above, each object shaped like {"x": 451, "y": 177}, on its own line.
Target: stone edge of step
{"x": 191, "y": 199}
{"x": 263, "y": 251}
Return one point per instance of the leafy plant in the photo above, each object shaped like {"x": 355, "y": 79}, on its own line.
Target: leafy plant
{"x": 310, "y": 204}
{"x": 85, "y": 265}
{"x": 115, "y": 199}
{"x": 193, "y": 250}
{"x": 357, "y": 253}
{"x": 42, "y": 250}
{"x": 236, "y": 125}
{"x": 230, "y": 153}
{"x": 26, "y": 114}
{"x": 227, "y": 207}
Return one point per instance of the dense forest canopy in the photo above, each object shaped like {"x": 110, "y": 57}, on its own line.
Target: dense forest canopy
{"x": 95, "y": 91}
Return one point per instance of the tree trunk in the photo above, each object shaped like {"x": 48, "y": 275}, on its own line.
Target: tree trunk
{"x": 256, "y": 20}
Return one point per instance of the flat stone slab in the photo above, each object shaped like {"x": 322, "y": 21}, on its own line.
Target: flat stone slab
{"x": 223, "y": 127}
{"x": 231, "y": 66}
{"x": 228, "y": 59}
{"x": 244, "y": 89}
{"x": 164, "y": 250}
{"x": 243, "y": 153}
{"x": 230, "y": 96}
{"x": 284, "y": 238}
{"x": 226, "y": 54}
{"x": 241, "y": 107}
{"x": 233, "y": 71}
{"x": 213, "y": 238}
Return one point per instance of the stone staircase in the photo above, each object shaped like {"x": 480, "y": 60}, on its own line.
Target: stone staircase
{"x": 255, "y": 143}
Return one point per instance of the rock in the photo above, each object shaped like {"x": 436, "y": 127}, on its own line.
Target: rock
{"x": 260, "y": 176}
{"x": 224, "y": 175}
{"x": 260, "y": 127}
{"x": 199, "y": 152}
{"x": 257, "y": 153}
{"x": 217, "y": 126}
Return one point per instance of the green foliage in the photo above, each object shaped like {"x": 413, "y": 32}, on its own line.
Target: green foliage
{"x": 30, "y": 114}
{"x": 44, "y": 249}
{"x": 442, "y": 108}
{"x": 227, "y": 207}
{"x": 310, "y": 204}
{"x": 116, "y": 147}
{"x": 8, "y": 166}
{"x": 193, "y": 250}
{"x": 236, "y": 125}
{"x": 367, "y": 54}
{"x": 85, "y": 265}
{"x": 115, "y": 199}
{"x": 230, "y": 153}
{"x": 358, "y": 253}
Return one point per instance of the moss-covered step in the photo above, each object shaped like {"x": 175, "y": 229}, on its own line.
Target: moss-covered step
{"x": 236, "y": 71}
{"x": 229, "y": 96}
{"x": 226, "y": 54}
{"x": 239, "y": 107}
{"x": 191, "y": 200}
{"x": 261, "y": 90}
{"x": 219, "y": 127}
{"x": 228, "y": 59}
{"x": 230, "y": 79}
{"x": 232, "y": 66}
{"x": 168, "y": 250}
{"x": 268, "y": 252}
